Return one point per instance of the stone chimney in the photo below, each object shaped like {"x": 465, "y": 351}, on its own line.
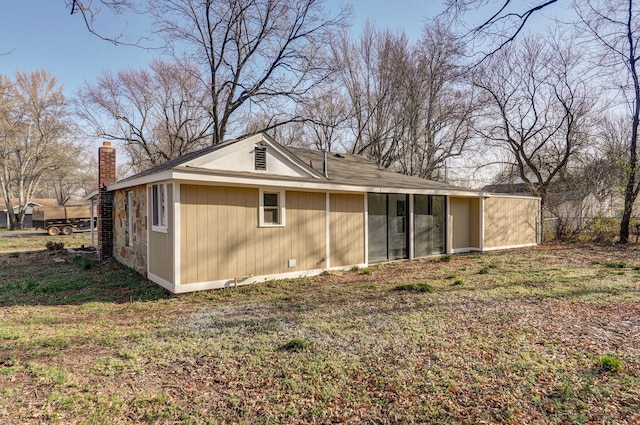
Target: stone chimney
{"x": 106, "y": 177}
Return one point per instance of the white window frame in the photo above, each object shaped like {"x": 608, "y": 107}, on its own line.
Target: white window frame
{"x": 129, "y": 208}
{"x": 159, "y": 207}
{"x": 281, "y": 208}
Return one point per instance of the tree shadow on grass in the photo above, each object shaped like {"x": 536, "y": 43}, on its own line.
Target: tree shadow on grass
{"x": 61, "y": 278}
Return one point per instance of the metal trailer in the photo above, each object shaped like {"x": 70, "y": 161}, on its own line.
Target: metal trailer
{"x": 62, "y": 219}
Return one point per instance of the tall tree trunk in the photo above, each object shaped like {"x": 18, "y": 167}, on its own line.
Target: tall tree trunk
{"x": 631, "y": 191}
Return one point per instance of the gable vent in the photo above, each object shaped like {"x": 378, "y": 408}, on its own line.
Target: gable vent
{"x": 261, "y": 157}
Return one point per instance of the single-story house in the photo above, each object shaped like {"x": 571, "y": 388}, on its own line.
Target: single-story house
{"x": 250, "y": 210}
{"x": 28, "y": 216}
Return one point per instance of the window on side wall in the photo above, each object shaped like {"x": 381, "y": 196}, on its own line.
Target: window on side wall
{"x": 159, "y": 207}
{"x": 272, "y": 208}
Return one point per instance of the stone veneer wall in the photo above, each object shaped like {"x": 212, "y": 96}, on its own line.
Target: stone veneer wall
{"x": 135, "y": 255}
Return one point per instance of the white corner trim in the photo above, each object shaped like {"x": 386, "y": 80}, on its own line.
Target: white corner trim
{"x": 366, "y": 226}
{"x": 481, "y": 230}
{"x": 148, "y": 191}
{"x": 411, "y": 227}
{"x": 162, "y": 282}
{"x": 327, "y": 262}
{"x": 448, "y": 226}
{"x": 176, "y": 234}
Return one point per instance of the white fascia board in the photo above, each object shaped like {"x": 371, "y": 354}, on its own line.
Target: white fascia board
{"x": 274, "y": 181}
{"x": 508, "y": 195}
{"x": 151, "y": 178}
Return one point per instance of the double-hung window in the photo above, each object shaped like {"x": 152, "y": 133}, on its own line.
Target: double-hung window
{"x": 272, "y": 208}
{"x": 159, "y": 207}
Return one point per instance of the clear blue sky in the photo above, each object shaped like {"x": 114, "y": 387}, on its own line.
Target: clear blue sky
{"x": 38, "y": 34}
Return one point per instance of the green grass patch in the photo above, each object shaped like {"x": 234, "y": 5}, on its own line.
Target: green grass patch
{"x": 295, "y": 344}
{"x": 415, "y": 287}
{"x": 83, "y": 262}
{"x": 610, "y": 264}
{"x": 52, "y": 375}
{"x": 609, "y": 363}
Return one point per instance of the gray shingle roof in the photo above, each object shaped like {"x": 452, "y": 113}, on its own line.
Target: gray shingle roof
{"x": 176, "y": 162}
{"x": 343, "y": 169}
{"x": 356, "y": 170}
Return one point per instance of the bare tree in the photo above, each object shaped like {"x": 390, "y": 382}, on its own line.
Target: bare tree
{"x": 72, "y": 179}
{"x": 159, "y": 114}
{"x": 327, "y": 112}
{"x": 503, "y": 21}
{"x": 290, "y": 134}
{"x": 33, "y": 136}
{"x": 411, "y": 108}
{"x": 263, "y": 53}
{"x": 538, "y": 108}
{"x": 615, "y": 27}
{"x": 371, "y": 74}
{"x": 90, "y": 11}
{"x": 437, "y": 104}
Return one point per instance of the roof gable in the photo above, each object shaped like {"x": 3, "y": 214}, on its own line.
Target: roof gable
{"x": 241, "y": 157}
{"x": 234, "y": 162}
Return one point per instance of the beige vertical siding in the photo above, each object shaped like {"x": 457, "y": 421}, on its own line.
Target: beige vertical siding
{"x": 161, "y": 244}
{"x": 510, "y": 221}
{"x": 220, "y": 237}
{"x": 474, "y": 222}
{"x": 134, "y": 256}
{"x": 347, "y": 229}
{"x": 465, "y": 222}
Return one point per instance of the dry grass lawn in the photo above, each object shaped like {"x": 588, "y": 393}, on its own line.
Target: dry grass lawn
{"x": 543, "y": 335}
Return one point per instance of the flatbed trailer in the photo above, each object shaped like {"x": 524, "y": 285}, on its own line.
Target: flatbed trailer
{"x": 62, "y": 219}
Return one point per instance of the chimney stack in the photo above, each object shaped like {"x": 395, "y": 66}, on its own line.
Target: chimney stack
{"x": 106, "y": 165}
{"x": 106, "y": 177}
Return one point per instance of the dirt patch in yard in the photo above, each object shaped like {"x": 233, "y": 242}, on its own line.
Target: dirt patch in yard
{"x": 505, "y": 337}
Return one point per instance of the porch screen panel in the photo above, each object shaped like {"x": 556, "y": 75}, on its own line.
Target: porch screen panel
{"x": 429, "y": 236}
{"x": 377, "y": 228}
{"x": 398, "y": 237}
{"x": 439, "y": 226}
{"x": 423, "y": 226}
